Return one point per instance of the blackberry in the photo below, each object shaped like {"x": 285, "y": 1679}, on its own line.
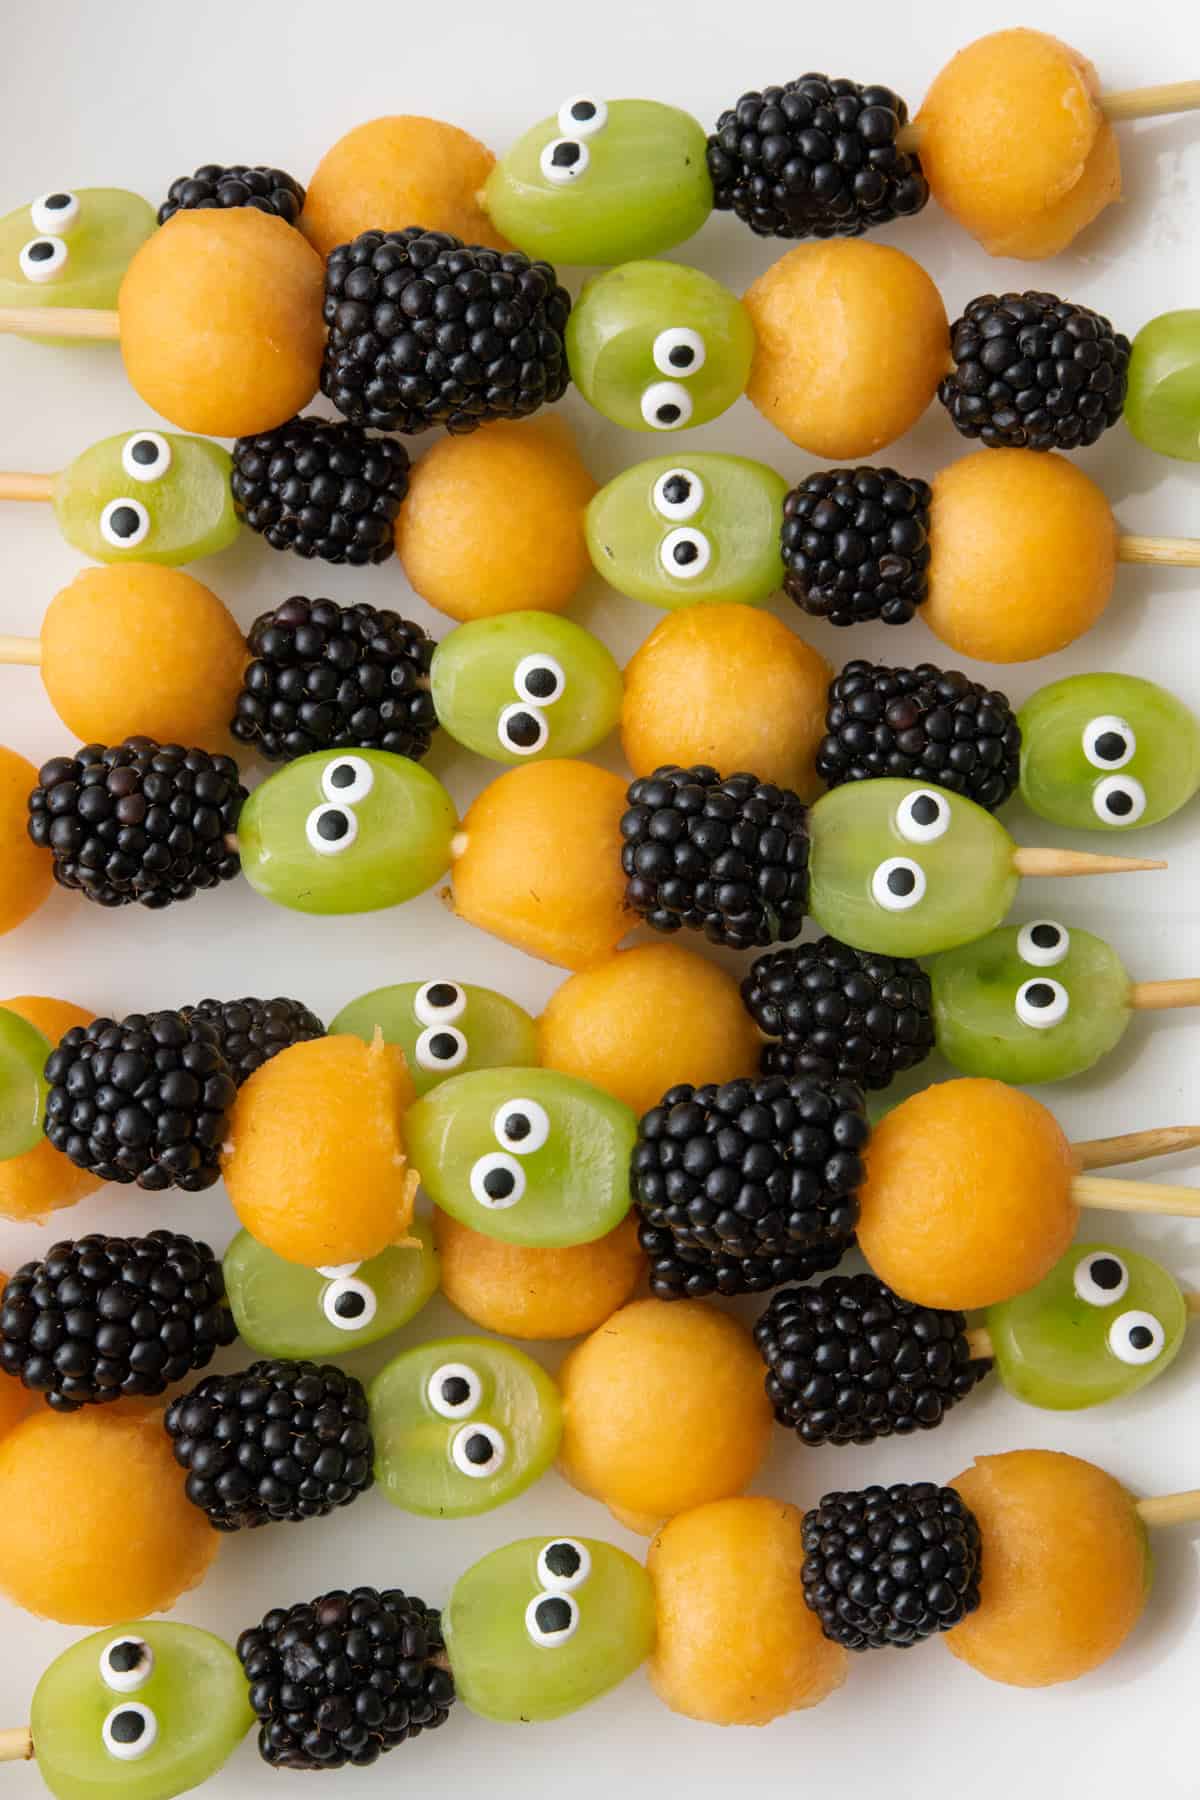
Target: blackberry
{"x": 143, "y": 1100}
{"x": 101, "y": 1318}
{"x": 855, "y": 545}
{"x": 138, "y": 821}
{"x": 426, "y": 330}
{"x": 330, "y": 677}
{"x": 815, "y": 158}
{"x": 848, "y": 1361}
{"x": 924, "y": 724}
{"x": 1034, "y": 373}
{"x": 267, "y": 190}
{"x": 346, "y": 1677}
{"x": 251, "y": 1032}
{"x": 322, "y": 489}
{"x": 744, "y": 1186}
{"x": 840, "y": 1014}
{"x": 279, "y": 1440}
{"x": 890, "y": 1565}
{"x": 725, "y": 857}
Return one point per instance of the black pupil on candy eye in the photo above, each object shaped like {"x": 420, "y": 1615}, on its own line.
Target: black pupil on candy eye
{"x": 925, "y": 810}
{"x": 144, "y": 452}
{"x": 478, "y": 1449}
{"x": 1039, "y": 993}
{"x": 668, "y": 414}
{"x": 1141, "y": 1337}
{"x": 342, "y": 776}
{"x": 442, "y": 1046}
{"x": 498, "y": 1184}
{"x": 901, "y": 882}
{"x": 681, "y": 357}
{"x": 124, "y": 521}
{"x": 541, "y": 683}
{"x": 1106, "y": 1272}
{"x": 516, "y": 1127}
{"x": 523, "y": 730}
{"x": 127, "y": 1727}
{"x": 562, "y": 1560}
{"x": 1045, "y": 936}
{"x": 1110, "y": 746}
{"x": 333, "y": 825}
{"x": 41, "y": 251}
{"x": 685, "y": 552}
{"x": 127, "y": 1654}
{"x": 442, "y": 994}
{"x": 677, "y": 490}
{"x": 455, "y": 1390}
{"x": 56, "y": 202}
{"x": 349, "y": 1306}
{"x": 553, "y": 1615}
{"x": 583, "y": 110}
{"x": 1119, "y": 803}
{"x": 566, "y": 154}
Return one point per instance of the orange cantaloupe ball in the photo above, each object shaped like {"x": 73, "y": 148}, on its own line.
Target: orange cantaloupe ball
{"x": 521, "y": 1292}
{"x": 1065, "y": 1571}
{"x": 221, "y": 326}
{"x": 1023, "y": 555}
{"x": 42, "y": 1180}
{"x": 397, "y": 171}
{"x": 1014, "y": 145}
{"x": 835, "y": 369}
{"x": 967, "y": 1199}
{"x": 677, "y": 689}
{"x": 16, "y": 1400}
{"x": 537, "y": 862}
{"x": 646, "y": 1020}
{"x": 27, "y": 877}
{"x": 664, "y": 1408}
{"x": 315, "y": 1163}
{"x": 493, "y": 521}
{"x": 120, "y": 1538}
{"x": 735, "y": 1643}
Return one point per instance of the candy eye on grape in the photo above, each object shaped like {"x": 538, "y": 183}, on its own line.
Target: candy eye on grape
{"x": 526, "y": 684}
{"x": 1107, "y": 752}
{"x": 71, "y": 248}
{"x": 444, "y": 1028}
{"x": 147, "y": 496}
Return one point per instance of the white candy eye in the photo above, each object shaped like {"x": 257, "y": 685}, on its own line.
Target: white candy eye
{"x": 43, "y": 258}
{"x": 922, "y": 816}
{"x": 563, "y": 1565}
{"x": 55, "y": 212}
{"x": 440, "y": 1003}
{"x": 678, "y": 495}
{"x": 582, "y": 116}
{"x": 478, "y": 1450}
{"x": 441, "y": 1048}
{"x": 685, "y": 552}
{"x": 666, "y": 406}
{"x": 124, "y": 524}
{"x": 1101, "y": 1278}
{"x": 129, "y": 1731}
{"x": 1042, "y": 943}
{"x": 523, "y": 729}
{"x": 540, "y": 679}
{"x": 330, "y": 829}
{"x": 550, "y": 1619}
{"x": 1109, "y": 741}
{"x": 146, "y": 457}
{"x": 1042, "y": 1003}
{"x": 126, "y": 1664}
{"x": 522, "y": 1126}
{"x": 679, "y": 352}
{"x": 338, "y": 1271}
{"x": 565, "y": 160}
{"x": 348, "y": 780}
{"x": 349, "y": 1304}
{"x": 497, "y": 1180}
{"x": 1136, "y": 1337}
{"x": 1119, "y": 800}
{"x": 454, "y": 1391}
{"x": 898, "y": 884}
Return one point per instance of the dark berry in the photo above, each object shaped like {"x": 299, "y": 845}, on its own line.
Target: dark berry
{"x": 321, "y": 488}
{"x": 250, "y": 1032}
{"x": 214, "y": 185}
{"x": 837, "y": 1012}
{"x": 855, "y": 545}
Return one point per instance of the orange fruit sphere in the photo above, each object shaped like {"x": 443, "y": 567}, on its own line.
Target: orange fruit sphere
{"x": 736, "y": 1645}
{"x": 120, "y": 1540}
{"x": 834, "y": 369}
{"x": 27, "y": 877}
{"x": 315, "y": 1163}
{"x": 530, "y": 1293}
{"x": 16, "y": 1400}
{"x": 398, "y": 171}
{"x": 967, "y": 1199}
{"x": 664, "y": 1408}
{"x": 538, "y": 862}
{"x": 221, "y": 326}
{"x": 42, "y": 1180}
{"x": 1014, "y": 145}
{"x": 493, "y": 521}
{"x": 677, "y": 690}
{"x": 1023, "y": 555}
{"x": 1065, "y": 1570}
{"x": 646, "y": 1020}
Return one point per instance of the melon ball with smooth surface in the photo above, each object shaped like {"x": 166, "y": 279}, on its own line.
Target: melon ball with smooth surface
{"x": 27, "y": 876}
{"x": 524, "y": 1292}
{"x": 397, "y": 171}
{"x": 43, "y": 1180}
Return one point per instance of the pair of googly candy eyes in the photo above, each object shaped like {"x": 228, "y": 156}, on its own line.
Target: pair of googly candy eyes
{"x": 71, "y": 247}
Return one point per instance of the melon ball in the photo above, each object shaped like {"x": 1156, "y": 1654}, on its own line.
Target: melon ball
{"x": 43, "y": 1180}
{"x": 523, "y": 1292}
{"x": 120, "y": 1538}
{"x": 967, "y": 1199}
{"x": 1014, "y": 145}
{"x": 493, "y": 521}
{"x": 664, "y": 1408}
{"x": 1065, "y": 1568}
{"x": 736, "y": 1645}
{"x": 852, "y": 342}
{"x": 398, "y": 171}
{"x": 221, "y": 326}
{"x": 27, "y": 876}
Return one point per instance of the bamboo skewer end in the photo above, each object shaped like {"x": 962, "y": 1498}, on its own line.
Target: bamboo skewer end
{"x": 21, "y": 650}
{"x": 1170, "y": 1509}
{"x": 1111, "y": 1193}
{"x": 60, "y": 321}
{"x": 1078, "y": 862}
{"x": 16, "y": 1744}
{"x": 1136, "y": 1146}
{"x": 1160, "y": 996}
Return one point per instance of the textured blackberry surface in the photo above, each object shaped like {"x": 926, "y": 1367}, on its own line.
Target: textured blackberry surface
{"x": 323, "y": 489}
{"x": 837, "y": 1013}
{"x": 855, "y": 545}
{"x": 250, "y": 1032}
{"x": 215, "y": 185}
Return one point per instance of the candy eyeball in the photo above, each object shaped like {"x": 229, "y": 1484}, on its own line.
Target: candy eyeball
{"x": 444, "y": 1028}
{"x": 898, "y": 883}
{"x": 146, "y": 456}
{"x": 1119, "y": 800}
{"x": 1136, "y": 1338}
{"x": 1043, "y": 943}
{"x": 349, "y": 1304}
{"x": 1101, "y": 1278}
{"x": 147, "y": 496}
{"x": 331, "y": 829}
{"x": 1108, "y": 742}
{"x": 55, "y": 214}
{"x": 582, "y": 116}
{"x": 1107, "y": 752}
{"x": 923, "y": 816}
{"x": 71, "y": 248}
{"x": 130, "y": 1731}
{"x": 564, "y": 160}
{"x": 43, "y": 259}
{"x": 1042, "y": 1003}
{"x": 126, "y": 1664}
{"x": 124, "y": 524}
{"x": 551, "y": 1619}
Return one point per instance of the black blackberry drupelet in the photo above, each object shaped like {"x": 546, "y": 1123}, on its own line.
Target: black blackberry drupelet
{"x": 346, "y": 1677}
{"x": 744, "y": 1186}
{"x": 250, "y": 1032}
{"x": 837, "y": 1013}
{"x": 101, "y": 1318}
{"x": 215, "y": 185}
{"x": 425, "y": 330}
{"x": 725, "y": 857}
{"x": 1034, "y": 373}
{"x": 328, "y": 677}
{"x": 855, "y": 545}
{"x": 279, "y": 1440}
{"x": 323, "y": 489}
{"x": 815, "y": 158}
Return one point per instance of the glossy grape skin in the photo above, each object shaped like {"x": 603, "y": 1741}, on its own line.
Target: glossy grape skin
{"x": 616, "y": 322}
{"x": 575, "y": 1184}
{"x": 496, "y": 1032}
{"x": 23, "y": 1054}
{"x": 1162, "y": 405}
{"x": 1051, "y": 1346}
{"x": 415, "y": 1464}
{"x": 478, "y": 675}
{"x": 195, "y": 1689}
{"x": 190, "y": 504}
{"x": 111, "y": 224}
{"x": 503, "y": 1674}
{"x": 1059, "y": 782}
{"x": 396, "y": 843}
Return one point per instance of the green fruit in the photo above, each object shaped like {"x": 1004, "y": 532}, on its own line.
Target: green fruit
{"x": 23, "y": 1055}
{"x": 655, "y": 347}
{"x": 1107, "y": 752}
{"x": 543, "y": 1626}
{"x": 444, "y": 1028}
{"x": 603, "y": 182}
{"x": 461, "y": 1426}
{"x": 525, "y": 1155}
{"x": 1100, "y": 1325}
{"x": 1162, "y": 404}
{"x": 525, "y": 686}
{"x": 147, "y": 496}
{"x": 138, "y": 1712}
{"x": 346, "y": 831}
{"x": 91, "y": 239}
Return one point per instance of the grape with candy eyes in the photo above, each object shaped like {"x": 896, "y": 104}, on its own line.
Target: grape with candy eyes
{"x": 444, "y": 1028}
{"x": 23, "y": 1054}
{"x": 147, "y": 496}
{"x": 525, "y": 685}
{"x": 71, "y": 247}
{"x": 1162, "y": 405}
{"x": 1107, "y": 752}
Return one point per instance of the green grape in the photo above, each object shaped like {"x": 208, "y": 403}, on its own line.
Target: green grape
{"x": 138, "y": 1712}
{"x": 673, "y": 532}
{"x": 1107, "y": 752}
{"x": 71, "y": 248}
{"x": 444, "y": 1028}
{"x": 346, "y": 831}
{"x": 462, "y": 1426}
{"x": 526, "y": 685}
{"x": 654, "y": 346}
{"x": 545, "y": 1625}
{"x": 525, "y": 1155}
{"x": 23, "y": 1055}
{"x": 1100, "y": 1325}
{"x": 1162, "y": 404}
{"x": 147, "y": 496}
{"x": 602, "y": 182}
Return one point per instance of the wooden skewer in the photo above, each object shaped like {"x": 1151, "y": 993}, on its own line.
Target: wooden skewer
{"x": 60, "y": 321}
{"x": 1170, "y": 1509}
{"x": 14, "y": 486}
{"x": 1160, "y": 552}
{"x": 1191, "y": 1299}
{"x": 1136, "y": 1146}
{"x": 1077, "y": 862}
{"x": 1110, "y": 1193}
{"x": 1160, "y": 996}
{"x": 21, "y": 650}
{"x": 1129, "y": 103}
{"x": 16, "y": 1744}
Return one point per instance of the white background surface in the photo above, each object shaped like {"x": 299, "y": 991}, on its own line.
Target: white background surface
{"x": 135, "y": 94}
